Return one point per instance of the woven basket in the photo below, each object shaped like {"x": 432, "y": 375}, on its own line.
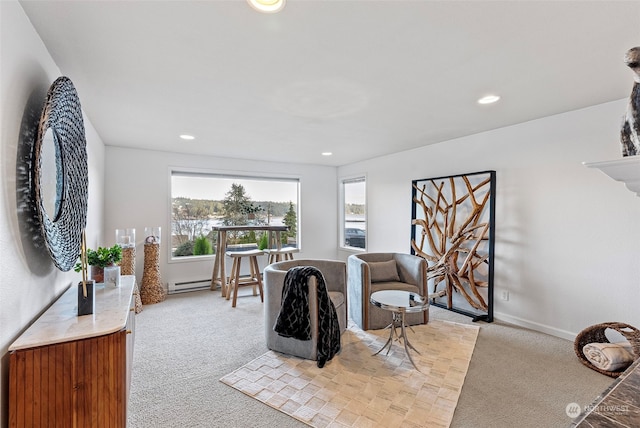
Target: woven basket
{"x": 596, "y": 334}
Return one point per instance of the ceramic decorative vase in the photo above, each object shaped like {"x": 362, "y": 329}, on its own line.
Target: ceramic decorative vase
{"x": 86, "y": 303}
{"x": 112, "y": 276}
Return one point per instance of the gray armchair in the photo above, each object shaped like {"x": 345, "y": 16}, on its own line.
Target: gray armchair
{"x": 371, "y": 272}
{"x": 335, "y": 274}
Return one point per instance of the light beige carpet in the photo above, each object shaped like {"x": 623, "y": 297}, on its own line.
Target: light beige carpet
{"x": 357, "y": 389}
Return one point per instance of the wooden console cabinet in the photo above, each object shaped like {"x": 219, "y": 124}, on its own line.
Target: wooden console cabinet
{"x": 70, "y": 371}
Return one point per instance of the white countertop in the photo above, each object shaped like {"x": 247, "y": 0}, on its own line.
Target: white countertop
{"x": 61, "y": 323}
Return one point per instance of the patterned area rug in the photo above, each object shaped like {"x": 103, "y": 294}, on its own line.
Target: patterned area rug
{"x": 357, "y": 389}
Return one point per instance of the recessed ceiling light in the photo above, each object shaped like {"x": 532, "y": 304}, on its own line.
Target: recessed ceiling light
{"x": 187, "y": 137}
{"x": 268, "y": 6}
{"x": 489, "y": 99}
{"x": 326, "y": 153}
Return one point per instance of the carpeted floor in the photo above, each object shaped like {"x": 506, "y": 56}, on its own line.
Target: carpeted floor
{"x": 184, "y": 345}
{"x": 358, "y": 389}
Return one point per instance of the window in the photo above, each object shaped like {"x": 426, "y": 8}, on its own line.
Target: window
{"x": 354, "y": 230}
{"x": 202, "y": 200}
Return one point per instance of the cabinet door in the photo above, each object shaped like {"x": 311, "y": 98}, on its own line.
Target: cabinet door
{"x": 76, "y": 384}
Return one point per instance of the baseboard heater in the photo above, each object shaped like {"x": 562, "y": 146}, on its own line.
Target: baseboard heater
{"x": 185, "y": 286}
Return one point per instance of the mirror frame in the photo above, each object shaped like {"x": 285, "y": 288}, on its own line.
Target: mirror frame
{"x": 63, "y": 233}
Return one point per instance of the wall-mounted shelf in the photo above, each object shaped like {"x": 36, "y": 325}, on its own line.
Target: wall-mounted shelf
{"x": 626, "y": 170}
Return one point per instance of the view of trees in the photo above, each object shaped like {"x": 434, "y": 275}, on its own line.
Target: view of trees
{"x": 354, "y": 208}
{"x": 290, "y": 219}
{"x": 192, "y": 220}
{"x": 190, "y": 217}
{"x": 235, "y": 206}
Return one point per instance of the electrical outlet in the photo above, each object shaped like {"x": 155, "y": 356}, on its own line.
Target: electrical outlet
{"x": 504, "y": 295}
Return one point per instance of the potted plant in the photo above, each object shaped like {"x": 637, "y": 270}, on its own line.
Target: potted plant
{"x": 99, "y": 259}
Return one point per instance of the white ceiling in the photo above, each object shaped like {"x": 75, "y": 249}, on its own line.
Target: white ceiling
{"x": 357, "y": 78}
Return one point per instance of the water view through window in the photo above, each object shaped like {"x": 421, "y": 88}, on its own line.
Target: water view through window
{"x": 201, "y": 201}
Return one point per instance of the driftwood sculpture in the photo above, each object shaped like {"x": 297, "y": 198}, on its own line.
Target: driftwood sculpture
{"x": 451, "y": 232}
{"x": 630, "y": 130}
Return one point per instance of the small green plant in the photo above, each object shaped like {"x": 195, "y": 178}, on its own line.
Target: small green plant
{"x": 264, "y": 242}
{"x": 102, "y": 257}
{"x": 184, "y": 249}
{"x": 202, "y": 246}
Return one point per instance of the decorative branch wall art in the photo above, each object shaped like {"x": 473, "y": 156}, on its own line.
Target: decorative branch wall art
{"x": 452, "y": 227}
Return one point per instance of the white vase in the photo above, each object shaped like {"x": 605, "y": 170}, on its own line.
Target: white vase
{"x": 112, "y": 276}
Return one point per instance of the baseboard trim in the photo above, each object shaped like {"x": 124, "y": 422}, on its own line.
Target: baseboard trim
{"x": 542, "y": 328}
{"x": 189, "y": 285}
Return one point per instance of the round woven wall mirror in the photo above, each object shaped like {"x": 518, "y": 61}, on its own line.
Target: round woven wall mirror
{"x": 60, "y": 174}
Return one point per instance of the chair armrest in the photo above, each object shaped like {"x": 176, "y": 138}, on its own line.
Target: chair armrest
{"x": 273, "y": 285}
{"x": 358, "y": 279}
{"x": 358, "y": 272}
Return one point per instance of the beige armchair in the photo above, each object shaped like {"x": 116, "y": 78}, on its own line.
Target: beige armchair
{"x": 334, "y": 273}
{"x": 371, "y": 272}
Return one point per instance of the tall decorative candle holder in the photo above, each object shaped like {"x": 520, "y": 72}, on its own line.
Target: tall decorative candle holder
{"x": 152, "y": 290}
{"x": 126, "y": 238}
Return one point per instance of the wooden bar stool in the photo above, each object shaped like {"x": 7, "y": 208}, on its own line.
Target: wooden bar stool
{"x": 235, "y": 280}
{"x": 282, "y": 254}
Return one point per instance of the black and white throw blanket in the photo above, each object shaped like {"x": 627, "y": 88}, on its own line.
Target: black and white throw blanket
{"x": 294, "y": 319}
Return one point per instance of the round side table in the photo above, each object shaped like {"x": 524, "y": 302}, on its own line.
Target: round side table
{"x": 399, "y": 303}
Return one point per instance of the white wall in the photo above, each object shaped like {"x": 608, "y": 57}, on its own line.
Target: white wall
{"x": 138, "y": 195}
{"x": 29, "y": 282}
{"x": 566, "y": 236}
{"x": 566, "y": 241}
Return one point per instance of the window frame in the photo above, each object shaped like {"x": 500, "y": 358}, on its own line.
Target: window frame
{"x": 226, "y": 174}
{"x": 355, "y": 178}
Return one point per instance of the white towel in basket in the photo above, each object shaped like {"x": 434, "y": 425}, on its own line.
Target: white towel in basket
{"x": 610, "y": 357}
